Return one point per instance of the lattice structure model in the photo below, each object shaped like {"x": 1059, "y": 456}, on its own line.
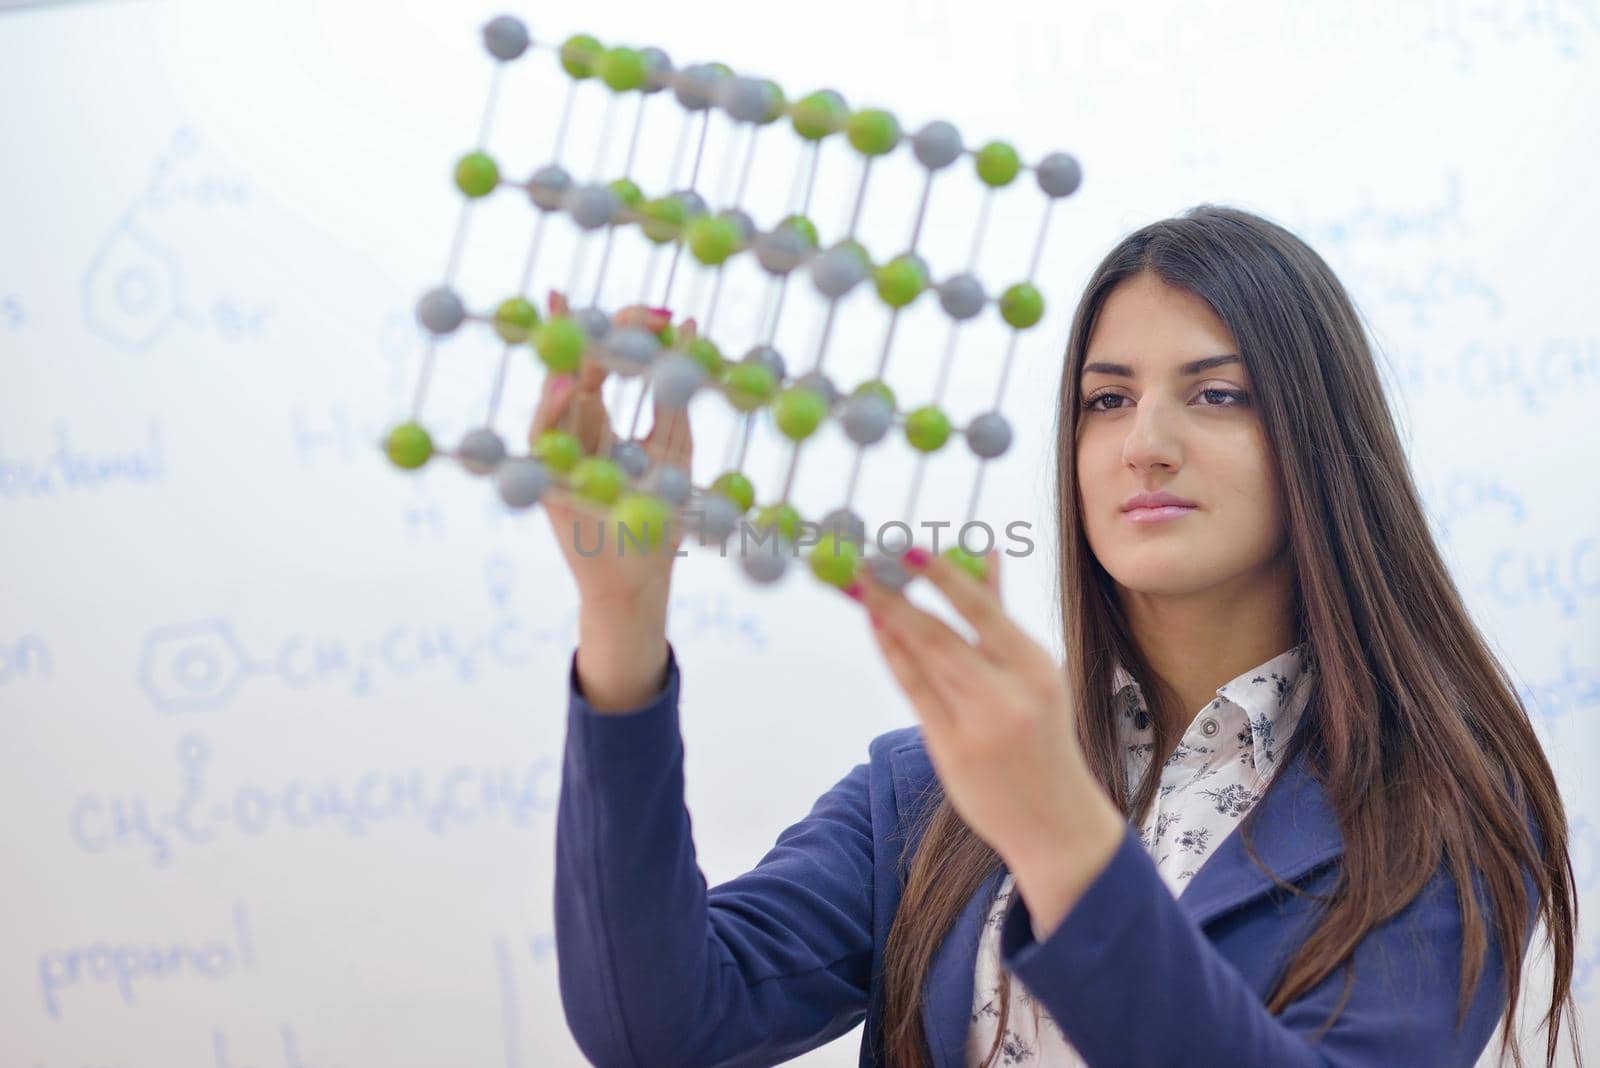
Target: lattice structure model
{"x": 640, "y": 497}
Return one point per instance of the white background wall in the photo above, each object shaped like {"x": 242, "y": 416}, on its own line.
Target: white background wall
{"x": 223, "y": 608}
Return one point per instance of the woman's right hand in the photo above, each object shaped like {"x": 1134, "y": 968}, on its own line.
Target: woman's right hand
{"x": 613, "y": 586}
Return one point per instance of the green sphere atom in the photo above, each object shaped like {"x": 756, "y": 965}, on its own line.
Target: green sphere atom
{"x": 712, "y": 238}
{"x": 901, "y": 280}
{"x": 515, "y": 319}
{"x": 558, "y": 450}
{"x": 835, "y": 560}
{"x": 803, "y": 226}
{"x": 627, "y": 191}
{"x": 597, "y": 479}
{"x": 777, "y": 103}
{"x": 704, "y": 351}
{"x": 976, "y": 566}
{"x": 872, "y": 132}
{"x": 734, "y": 486}
{"x": 927, "y": 428}
{"x": 818, "y": 114}
{"x": 579, "y": 54}
{"x": 663, "y": 218}
{"x": 1021, "y": 305}
{"x": 476, "y": 174}
{"x": 408, "y": 446}
{"x": 560, "y": 341}
{"x": 783, "y": 517}
{"x": 749, "y": 385}
{"x": 622, "y": 69}
{"x": 878, "y": 387}
{"x": 799, "y": 411}
{"x": 642, "y": 519}
{"x": 998, "y": 163}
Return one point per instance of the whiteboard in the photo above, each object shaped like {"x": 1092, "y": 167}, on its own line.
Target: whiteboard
{"x": 283, "y": 724}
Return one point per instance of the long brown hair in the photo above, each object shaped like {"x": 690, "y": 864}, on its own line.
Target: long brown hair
{"x": 1414, "y": 729}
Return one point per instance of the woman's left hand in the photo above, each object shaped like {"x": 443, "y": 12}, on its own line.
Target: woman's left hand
{"x": 1000, "y": 730}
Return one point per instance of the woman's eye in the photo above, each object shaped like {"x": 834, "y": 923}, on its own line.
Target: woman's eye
{"x": 1239, "y": 396}
{"x": 1092, "y": 403}
{"x": 1235, "y": 398}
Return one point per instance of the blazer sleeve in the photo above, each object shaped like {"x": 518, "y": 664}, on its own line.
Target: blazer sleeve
{"x": 653, "y": 967}
{"x": 1132, "y": 981}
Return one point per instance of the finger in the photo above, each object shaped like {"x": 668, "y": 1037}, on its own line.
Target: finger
{"x": 591, "y": 421}
{"x": 554, "y": 400}
{"x": 671, "y": 439}
{"x": 929, "y": 638}
{"x": 976, "y": 602}
{"x": 651, "y": 319}
{"x": 991, "y": 576}
{"x": 558, "y": 303}
{"x": 930, "y": 707}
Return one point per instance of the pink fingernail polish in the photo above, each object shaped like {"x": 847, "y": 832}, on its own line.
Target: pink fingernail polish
{"x": 916, "y": 556}
{"x": 877, "y": 621}
{"x": 853, "y": 591}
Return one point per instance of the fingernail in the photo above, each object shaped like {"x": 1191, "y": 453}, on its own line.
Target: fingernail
{"x": 877, "y": 621}
{"x": 561, "y": 381}
{"x": 853, "y": 591}
{"x": 916, "y": 557}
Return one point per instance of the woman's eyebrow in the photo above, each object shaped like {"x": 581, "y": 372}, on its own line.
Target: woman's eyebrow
{"x": 1193, "y": 367}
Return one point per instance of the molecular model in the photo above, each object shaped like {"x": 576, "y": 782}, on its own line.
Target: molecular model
{"x": 642, "y": 497}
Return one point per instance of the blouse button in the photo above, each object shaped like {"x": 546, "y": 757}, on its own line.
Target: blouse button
{"x": 1208, "y": 727}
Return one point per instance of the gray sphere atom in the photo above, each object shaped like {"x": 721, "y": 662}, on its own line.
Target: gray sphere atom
{"x": 593, "y": 206}
{"x": 961, "y": 296}
{"x": 766, "y": 563}
{"x": 820, "y": 384}
{"x": 837, "y": 271}
{"x": 888, "y": 572}
{"x": 780, "y": 251}
{"x": 658, "y": 66}
{"x": 845, "y": 525}
{"x": 521, "y": 482}
{"x": 693, "y": 203}
{"x": 770, "y": 358}
{"x": 671, "y": 484}
{"x": 745, "y": 99}
{"x": 1059, "y": 174}
{"x": 989, "y": 435}
{"x": 633, "y": 349}
{"x": 937, "y": 145}
{"x": 675, "y": 378}
{"x": 718, "y": 519}
{"x": 741, "y": 222}
{"x": 549, "y": 186}
{"x": 866, "y": 418}
{"x": 629, "y": 455}
{"x": 481, "y": 450}
{"x": 696, "y": 86}
{"x": 596, "y": 323}
{"x": 440, "y": 311}
{"x": 506, "y": 37}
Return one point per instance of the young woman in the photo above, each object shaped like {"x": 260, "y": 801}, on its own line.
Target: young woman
{"x": 1279, "y": 806}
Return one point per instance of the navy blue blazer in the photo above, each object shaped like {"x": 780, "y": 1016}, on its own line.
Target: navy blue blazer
{"x": 657, "y": 969}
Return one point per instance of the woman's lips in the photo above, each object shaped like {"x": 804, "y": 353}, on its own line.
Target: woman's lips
{"x": 1156, "y": 515}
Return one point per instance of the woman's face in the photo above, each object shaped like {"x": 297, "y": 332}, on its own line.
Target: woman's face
{"x": 1153, "y": 424}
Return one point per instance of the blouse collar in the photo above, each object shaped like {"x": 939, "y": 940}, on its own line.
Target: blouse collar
{"x": 1258, "y": 707}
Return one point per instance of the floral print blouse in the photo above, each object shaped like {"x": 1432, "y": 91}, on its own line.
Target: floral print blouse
{"x": 1221, "y": 765}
